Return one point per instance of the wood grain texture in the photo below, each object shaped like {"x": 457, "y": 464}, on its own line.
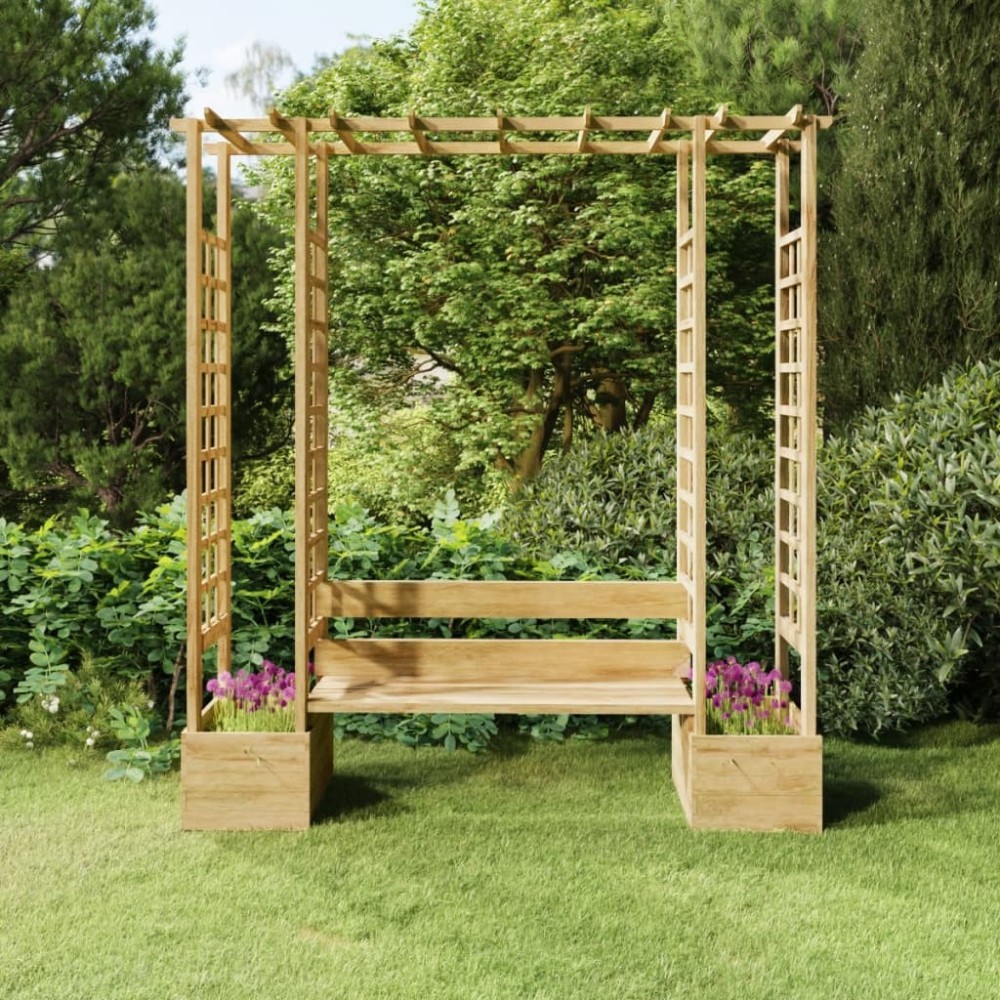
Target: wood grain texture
{"x": 501, "y": 599}
{"x": 808, "y": 431}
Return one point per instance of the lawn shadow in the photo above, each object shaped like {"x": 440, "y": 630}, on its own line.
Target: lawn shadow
{"x": 907, "y": 776}
{"x": 845, "y": 798}
{"x": 350, "y": 796}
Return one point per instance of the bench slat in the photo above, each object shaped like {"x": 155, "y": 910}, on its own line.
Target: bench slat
{"x": 663, "y": 696}
{"x": 502, "y": 599}
{"x": 510, "y": 661}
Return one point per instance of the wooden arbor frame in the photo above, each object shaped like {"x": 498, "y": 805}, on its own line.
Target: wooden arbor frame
{"x": 596, "y": 676}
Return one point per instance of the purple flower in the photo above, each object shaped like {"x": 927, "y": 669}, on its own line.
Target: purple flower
{"x": 268, "y": 688}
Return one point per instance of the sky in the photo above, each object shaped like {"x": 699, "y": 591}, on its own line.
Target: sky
{"x": 219, "y": 31}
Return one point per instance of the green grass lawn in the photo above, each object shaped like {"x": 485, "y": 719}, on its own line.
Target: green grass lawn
{"x": 536, "y": 870}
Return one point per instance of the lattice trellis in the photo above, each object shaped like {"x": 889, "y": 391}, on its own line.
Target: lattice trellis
{"x": 311, "y": 405}
{"x": 209, "y": 357}
{"x": 795, "y": 424}
{"x": 691, "y": 337}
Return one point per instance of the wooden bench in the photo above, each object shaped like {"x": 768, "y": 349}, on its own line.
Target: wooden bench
{"x": 516, "y": 676}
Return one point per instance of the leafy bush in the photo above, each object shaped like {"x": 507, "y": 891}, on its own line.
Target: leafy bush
{"x": 610, "y": 505}
{"x": 910, "y": 562}
{"x": 908, "y": 546}
{"x": 397, "y": 465}
{"x": 81, "y": 716}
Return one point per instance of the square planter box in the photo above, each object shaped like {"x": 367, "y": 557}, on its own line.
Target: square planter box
{"x": 255, "y": 781}
{"x": 748, "y": 782}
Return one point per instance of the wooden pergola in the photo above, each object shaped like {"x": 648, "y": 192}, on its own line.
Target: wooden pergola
{"x": 497, "y": 675}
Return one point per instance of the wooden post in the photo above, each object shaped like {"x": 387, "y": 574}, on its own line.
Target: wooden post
{"x": 699, "y": 553}
{"x": 223, "y": 424}
{"x": 808, "y": 443}
{"x": 781, "y": 224}
{"x": 193, "y": 131}
{"x": 319, "y": 376}
{"x": 302, "y": 338}
{"x": 691, "y": 229}
{"x": 795, "y": 425}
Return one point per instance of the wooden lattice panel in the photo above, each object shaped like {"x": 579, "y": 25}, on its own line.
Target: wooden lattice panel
{"x": 691, "y": 358}
{"x": 795, "y": 426}
{"x": 790, "y": 438}
{"x": 311, "y": 404}
{"x": 213, "y": 439}
{"x": 317, "y": 424}
{"x": 209, "y": 431}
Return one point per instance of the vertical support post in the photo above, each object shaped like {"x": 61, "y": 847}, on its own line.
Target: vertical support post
{"x": 302, "y": 345}
{"x": 699, "y": 548}
{"x": 808, "y": 443}
{"x": 223, "y": 426}
{"x": 781, "y": 226}
{"x": 684, "y": 393}
{"x": 320, "y": 385}
{"x": 795, "y": 425}
{"x": 193, "y": 353}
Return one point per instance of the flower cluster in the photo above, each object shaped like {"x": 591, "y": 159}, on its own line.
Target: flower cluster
{"x": 28, "y": 736}
{"x": 92, "y": 737}
{"x": 261, "y": 700}
{"x": 747, "y": 699}
{"x": 269, "y": 688}
{"x": 51, "y": 703}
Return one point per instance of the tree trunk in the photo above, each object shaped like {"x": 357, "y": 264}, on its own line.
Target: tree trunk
{"x": 529, "y": 461}
{"x": 609, "y": 405}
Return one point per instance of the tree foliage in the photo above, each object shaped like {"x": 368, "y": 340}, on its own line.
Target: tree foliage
{"x": 769, "y": 55}
{"x": 92, "y": 351}
{"x": 539, "y": 292}
{"x": 82, "y": 92}
{"x": 912, "y": 279}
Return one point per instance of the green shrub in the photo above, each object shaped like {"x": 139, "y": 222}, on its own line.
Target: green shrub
{"x": 910, "y": 562}
{"x": 80, "y": 716}
{"x": 397, "y": 467}
{"x": 908, "y": 546}
{"x": 610, "y": 504}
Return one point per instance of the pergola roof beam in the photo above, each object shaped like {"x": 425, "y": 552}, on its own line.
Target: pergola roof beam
{"x": 594, "y": 148}
{"x": 656, "y": 135}
{"x": 341, "y": 127}
{"x": 230, "y": 134}
{"x": 500, "y": 134}
{"x": 717, "y": 122}
{"x": 794, "y": 120}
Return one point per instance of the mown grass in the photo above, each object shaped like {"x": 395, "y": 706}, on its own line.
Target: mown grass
{"x": 533, "y": 871}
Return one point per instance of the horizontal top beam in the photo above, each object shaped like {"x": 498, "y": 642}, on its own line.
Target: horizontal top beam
{"x": 418, "y": 135}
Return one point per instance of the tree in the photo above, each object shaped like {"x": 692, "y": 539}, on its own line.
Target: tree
{"x": 83, "y": 91}
{"x": 911, "y": 282}
{"x": 769, "y": 55}
{"x": 92, "y": 352}
{"x": 540, "y": 292}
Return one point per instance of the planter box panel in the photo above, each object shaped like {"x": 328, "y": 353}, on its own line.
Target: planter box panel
{"x": 254, "y": 781}
{"x": 798, "y": 813}
{"x": 749, "y": 782}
